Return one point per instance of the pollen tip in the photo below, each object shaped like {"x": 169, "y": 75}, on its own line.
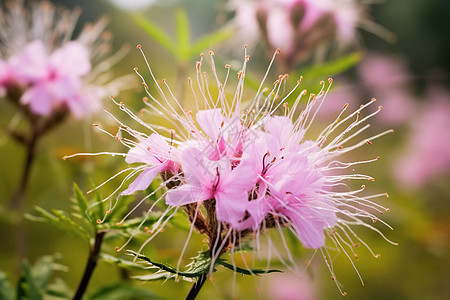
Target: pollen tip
{"x": 373, "y": 99}
{"x": 380, "y": 107}
{"x": 138, "y": 46}
{"x": 117, "y": 248}
{"x": 135, "y": 68}
{"x": 108, "y": 211}
{"x": 344, "y": 294}
{"x": 119, "y": 223}
{"x": 64, "y": 157}
{"x": 227, "y": 66}
{"x": 145, "y": 99}
{"x": 330, "y": 80}
{"x": 322, "y": 82}
{"x": 356, "y": 245}
{"x": 99, "y": 221}
{"x": 356, "y": 256}
{"x": 377, "y": 255}
{"x": 211, "y": 53}
{"x": 387, "y": 210}
{"x": 278, "y": 51}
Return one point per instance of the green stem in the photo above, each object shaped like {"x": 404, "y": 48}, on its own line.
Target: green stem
{"x": 196, "y": 287}
{"x": 90, "y": 265}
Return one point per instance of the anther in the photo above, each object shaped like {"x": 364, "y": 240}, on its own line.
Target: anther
{"x": 378, "y": 256}
{"x": 138, "y": 47}
{"x": 117, "y": 248}
{"x": 211, "y": 53}
{"x": 99, "y": 221}
{"x": 330, "y": 80}
{"x": 135, "y": 69}
{"x": 145, "y": 99}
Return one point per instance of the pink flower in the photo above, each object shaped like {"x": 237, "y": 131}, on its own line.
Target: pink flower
{"x": 299, "y": 27}
{"x": 52, "y": 80}
{"x": 428, "y": 150}
{"x": 241, "y": 171}
{"x": 157, "y": 156}
{"x": 51, "y": 72}
{"x": 290, "y": 286}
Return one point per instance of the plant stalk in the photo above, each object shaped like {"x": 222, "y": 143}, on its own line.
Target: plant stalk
{"x": 90, "y": 265}
{"x": 196, "y": 287}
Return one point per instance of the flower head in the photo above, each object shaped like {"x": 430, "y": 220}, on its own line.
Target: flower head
{"x": 46, "y": 71}
{"x": 300, "y": 27}
{"x": 250, "y": 164}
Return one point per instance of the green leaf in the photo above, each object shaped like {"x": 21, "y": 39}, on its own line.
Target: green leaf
{"x": 81, "y": 203}
{"x": 245, "y": 271}
{"x": 43, "y": 269}
{"x": 126, "y": 264}
{"x": 122, "y": 291}
{"x": 6, "y": 289}
{"x": 27, "y": 288}
{"x": 331, "y": 68}
{"x": 183, "y": 34}
{"x": 59, "y": 289}
{"x": 61, "y": 221}
{"x": 209, "y": 40}
{"x": 156, "y": 33}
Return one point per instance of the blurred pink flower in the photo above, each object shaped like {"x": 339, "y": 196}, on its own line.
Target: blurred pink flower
{"x": 47, "y": 71}
{"x": 428, "y": 150}
{"x": 290, "y": 286}
{"x": 344, "y": 93}
{"x": 380, "y": 71}
{"x": 298, "y": 27}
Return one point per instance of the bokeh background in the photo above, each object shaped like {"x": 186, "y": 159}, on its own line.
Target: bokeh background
{"x": 409, "y": 76}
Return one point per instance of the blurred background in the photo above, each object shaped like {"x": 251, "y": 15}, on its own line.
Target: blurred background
{"x": 405, "y": 65}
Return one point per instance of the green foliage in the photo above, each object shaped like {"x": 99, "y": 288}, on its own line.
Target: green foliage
{"x": 122, "y": 291}
{"x": 331, "y": 68}
{"x": 84, "y": 222}
{"x": 200, "y": 265}
{"x": 181, "y": 47}
{"x": 6, "y": 288}
{"x": 34, "y": 282}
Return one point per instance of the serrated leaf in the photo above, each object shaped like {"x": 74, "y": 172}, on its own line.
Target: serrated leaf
{"x": 61, "y": 221}
{"x": 6, "y": 289}
{"x": 121, "y": 292}
{"x": 198, "y": 266}
{"x": 161, "y": 276}
{"x": 81, "y": 203}
{"x": 245, "y": 271}
{"x": 156, "y": 33}
{"x": 119, "y": 262}
{"x": 209, "y": 40}
{"x": 183, "y": 34}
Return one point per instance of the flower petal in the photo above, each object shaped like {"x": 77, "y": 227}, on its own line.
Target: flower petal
{"x": 143, "y": 181}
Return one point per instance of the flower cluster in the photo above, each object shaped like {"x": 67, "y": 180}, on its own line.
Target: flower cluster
{"x": 238, "y": 169}
{"x": 300, "y": 27}
{"x": 44, "y": 70}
